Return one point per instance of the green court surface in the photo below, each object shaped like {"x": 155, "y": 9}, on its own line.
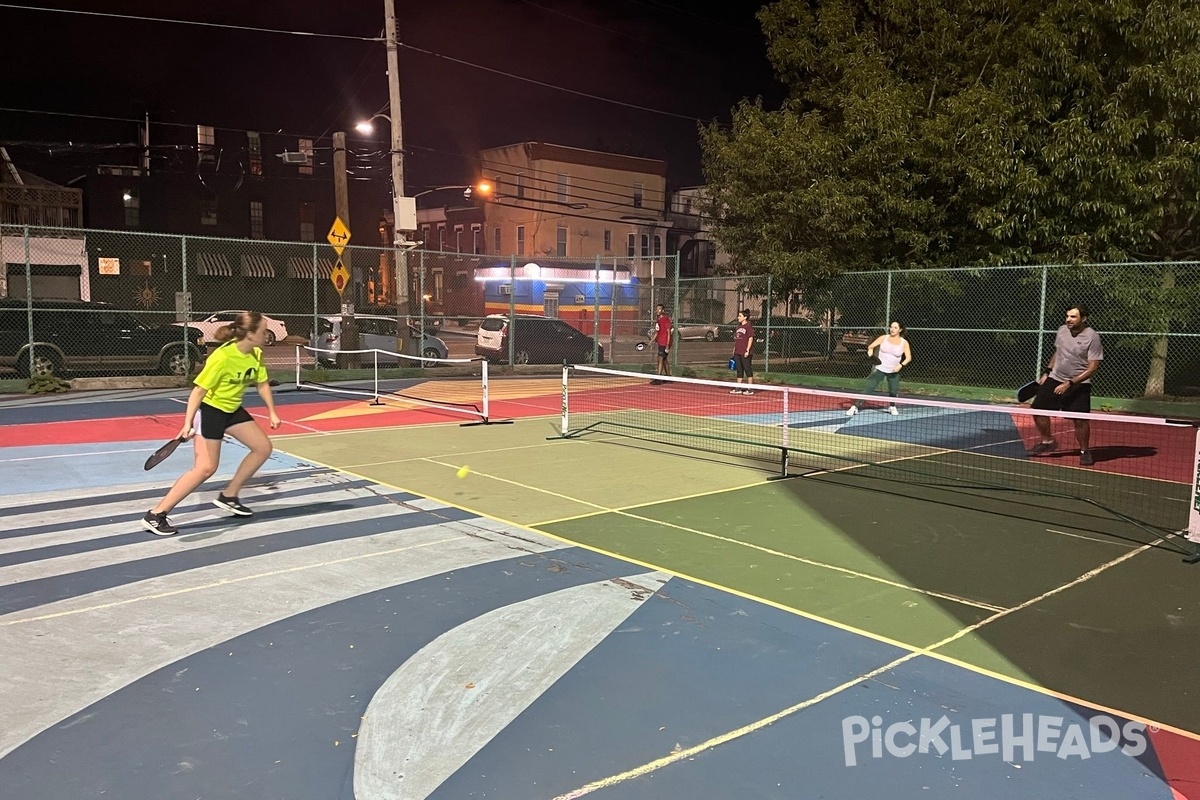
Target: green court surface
{"x": 1045, "y": 594}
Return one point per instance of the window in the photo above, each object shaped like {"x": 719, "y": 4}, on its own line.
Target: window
{"x": 141, "y": 268}
{"x": 254, "y": 151}
{"x": 306, "y": 147}
{"x": 521, "y": 185}
{"x": 645, "y": 245}
{"x": 208, "y": 211}
{"x": 637, "y": 195}
{"x": 520, "y": 240}
{"x": 458, "y": 232}
{"x": 607, "y": 241}
{"x": 133, "y": 208}
{"x": 257, "y": 230}
{"x": 560, "y": 241}
{"x": 563, "y": 188}
{"x": 496, "y": 241}
{"x": 657, "y": 245}
{"x": 631, "y": 246}
{"x": 205, "y": 139}
{"x": 477, "y": 239}
{"x": 425, "y": 234}
{"x": 308, "y": 222}
{"x": 441, "y": 230}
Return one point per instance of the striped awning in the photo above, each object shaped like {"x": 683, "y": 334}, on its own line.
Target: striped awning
{"x": 257, "y": 267}
{"x": 213, "y": 264}
{"x": 303, "y": 268}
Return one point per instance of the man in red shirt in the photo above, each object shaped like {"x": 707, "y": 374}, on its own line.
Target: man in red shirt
{"x": 662, "y": 337}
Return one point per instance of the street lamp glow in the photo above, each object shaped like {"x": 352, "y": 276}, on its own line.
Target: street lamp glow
{"x": 365, "y": 127}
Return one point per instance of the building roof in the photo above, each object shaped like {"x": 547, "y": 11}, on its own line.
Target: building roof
{"x": 541, "y": 151}
{"x": 9, "y": 173}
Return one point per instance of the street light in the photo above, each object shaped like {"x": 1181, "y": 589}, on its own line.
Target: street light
{"x": 367, "y": 128}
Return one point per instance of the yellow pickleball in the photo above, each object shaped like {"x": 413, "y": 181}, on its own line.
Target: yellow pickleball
{"x": 463, "y": 470}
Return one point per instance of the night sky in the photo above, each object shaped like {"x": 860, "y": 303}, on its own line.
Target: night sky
{"x": 670, "y": 55}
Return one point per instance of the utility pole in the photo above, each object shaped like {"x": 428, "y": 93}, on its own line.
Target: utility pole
{"x": 341, "y": 205}
{"x": 400, "y": 209}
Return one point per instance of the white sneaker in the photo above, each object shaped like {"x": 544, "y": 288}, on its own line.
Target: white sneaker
{"x": 851, "y": 411}
{"x": 895, "y": 412}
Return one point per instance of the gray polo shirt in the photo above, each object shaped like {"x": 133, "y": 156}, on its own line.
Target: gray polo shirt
{"x": 1072, "y": 353}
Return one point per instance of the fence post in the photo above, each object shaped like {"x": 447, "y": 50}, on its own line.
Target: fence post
{"x": 675, "y": 319}
{"x": 316, "y": 328}
{"x": 596, "y": 314}
{"x": 767, "y": 340}
{"x": 420, "y": 290}
{"x": 887, "y": 306}
{"x": 612, "y": 316}
{"x": 29, "y": 301}
{"x": 512, "y": 310}
{"x": 1037, "y": 368}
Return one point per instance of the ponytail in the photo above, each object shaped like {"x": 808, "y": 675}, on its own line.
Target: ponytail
{"x": 240, "y": 328}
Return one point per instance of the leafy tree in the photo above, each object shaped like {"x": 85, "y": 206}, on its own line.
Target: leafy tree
{"x": 970, "y": 132}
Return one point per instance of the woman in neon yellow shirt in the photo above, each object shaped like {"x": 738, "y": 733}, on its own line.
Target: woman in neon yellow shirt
{"x": 214, "y": 409}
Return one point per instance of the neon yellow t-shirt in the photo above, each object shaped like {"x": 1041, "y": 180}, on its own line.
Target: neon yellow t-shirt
{"x": 227, "y": 374}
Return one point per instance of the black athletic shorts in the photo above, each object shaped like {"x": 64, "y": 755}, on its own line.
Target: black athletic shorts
{"x": 1078, "y": 398}
{"x": 662, "y": 351}
{"x": 214, "y": 422}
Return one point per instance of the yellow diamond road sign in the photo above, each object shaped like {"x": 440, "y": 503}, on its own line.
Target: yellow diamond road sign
{"x": 340, "y": 277}
{"x": 339, "y": 235}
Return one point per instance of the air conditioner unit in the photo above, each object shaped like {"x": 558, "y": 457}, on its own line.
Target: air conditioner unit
{"x": 295, "y": 158}
{"x": 506, "y": 288}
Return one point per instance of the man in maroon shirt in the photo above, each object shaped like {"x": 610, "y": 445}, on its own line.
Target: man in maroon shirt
{"x": 743, "y": 342}
{"x": 662, "y": 337}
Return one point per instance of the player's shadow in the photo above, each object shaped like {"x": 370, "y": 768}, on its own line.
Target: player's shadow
{"x": 213, "y": 527}
{"x": 1110, "y": 453}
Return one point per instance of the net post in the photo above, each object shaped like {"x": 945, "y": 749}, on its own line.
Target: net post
{"x": 375, "y": 359}
{"x": 297, "y": 366}
{"x": 1192, "y": 533}
{"x": 565, "y": 421}
{"x": 486, "y": 412}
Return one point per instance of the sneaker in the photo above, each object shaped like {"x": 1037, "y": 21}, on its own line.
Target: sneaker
{"x": 1085, "y": 458}
{"x": 1042, "y": 447}
{"x": 851, "y": 411}
{"x": 232, "y": 505}
{"x": 158, "y": 524}
{"x": 736, "y": 391}
{"x": 895, "y": 412}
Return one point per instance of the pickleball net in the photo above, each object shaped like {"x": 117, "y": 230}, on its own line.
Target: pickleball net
{"x": 465, "y": 394}
{"x": 1143, "y": 472}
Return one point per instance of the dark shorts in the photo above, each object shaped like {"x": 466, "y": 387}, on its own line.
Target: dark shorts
{"x": 1078, "y": 398}
{"x": 214, "y": 422}
{"x": 662, "y": 351}
{"x": 744, "y": 368}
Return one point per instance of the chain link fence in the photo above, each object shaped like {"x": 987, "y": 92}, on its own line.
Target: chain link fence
{"x": 102, "y": 302}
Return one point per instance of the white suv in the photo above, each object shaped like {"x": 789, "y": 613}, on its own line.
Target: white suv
{"x": 374, "y": 333}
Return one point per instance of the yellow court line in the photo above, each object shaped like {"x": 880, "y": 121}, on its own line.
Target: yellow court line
{"x": 913, "y": 650}
{"x": 708, "y": 493}
{"x": 448, "y": 455}
{"x": 728, "y": 540}
{"x": 716, "y": 741}
{"x": 226, "y": 582}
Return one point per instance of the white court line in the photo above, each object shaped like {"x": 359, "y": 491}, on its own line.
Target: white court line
{"x": 78, "y": 455}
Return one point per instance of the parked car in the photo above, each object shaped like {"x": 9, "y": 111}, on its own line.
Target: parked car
{"x": 693, "y": 329}
{"x": 78, "y": 336}
{"x": 374, "y": 333}
{"x": 537, "y": 340}
{"x": 276, "y": 329}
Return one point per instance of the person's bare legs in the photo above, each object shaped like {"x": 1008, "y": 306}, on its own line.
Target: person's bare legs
{"x": 204, "y": 466}
{"x": 253, "y": 437}
{"x": 1083, "y": 433}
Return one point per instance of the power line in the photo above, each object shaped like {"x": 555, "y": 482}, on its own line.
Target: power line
{"x": 194, "y": 22}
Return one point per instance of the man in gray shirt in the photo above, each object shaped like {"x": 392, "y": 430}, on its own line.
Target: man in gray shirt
{"x": 1066, "y": 384}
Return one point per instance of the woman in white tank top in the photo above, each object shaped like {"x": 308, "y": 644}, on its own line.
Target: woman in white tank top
{"x": 894, "y": 353}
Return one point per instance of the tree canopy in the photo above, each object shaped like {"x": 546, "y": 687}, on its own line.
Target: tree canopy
{"x": 960, "y": 132}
